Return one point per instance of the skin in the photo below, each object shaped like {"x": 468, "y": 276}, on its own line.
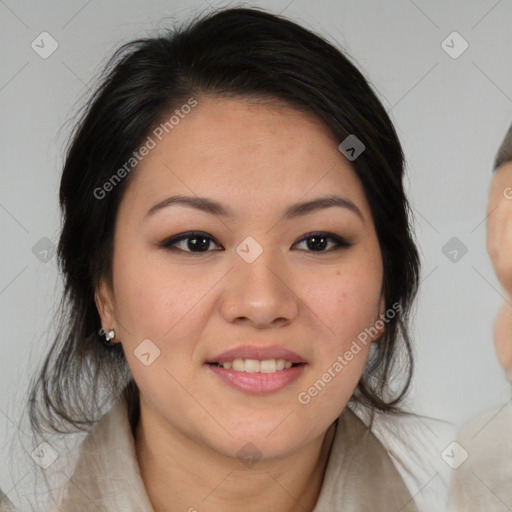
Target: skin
{"x": 499, "y": 247}
{"x": 257, "y": 160}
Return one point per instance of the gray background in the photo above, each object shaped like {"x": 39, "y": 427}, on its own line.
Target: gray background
{"x": 451, "y": 115}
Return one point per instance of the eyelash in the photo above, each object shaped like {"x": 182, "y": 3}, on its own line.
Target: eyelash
{"x": 169, "y": 243}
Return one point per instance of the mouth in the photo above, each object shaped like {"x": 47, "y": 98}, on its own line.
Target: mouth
{"x": 256, "y": 366}
{"x": 257, "y": 370}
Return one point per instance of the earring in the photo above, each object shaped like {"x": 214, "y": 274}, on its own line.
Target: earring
{"x": 107, "y": 337}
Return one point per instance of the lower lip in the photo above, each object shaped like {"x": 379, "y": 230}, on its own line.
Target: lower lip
{"x": 258, "y": 383}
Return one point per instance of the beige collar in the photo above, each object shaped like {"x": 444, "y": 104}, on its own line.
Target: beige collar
{"x": 359, "y": 475}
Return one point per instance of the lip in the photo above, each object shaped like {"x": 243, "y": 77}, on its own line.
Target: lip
{"x": 258, "y": 383}
{"x": 259, "y": 353}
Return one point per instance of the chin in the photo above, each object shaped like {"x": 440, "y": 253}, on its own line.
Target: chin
{"x": 263, "y": 444}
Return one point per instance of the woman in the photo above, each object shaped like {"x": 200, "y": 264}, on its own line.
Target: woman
{"x": 237, "y": 235}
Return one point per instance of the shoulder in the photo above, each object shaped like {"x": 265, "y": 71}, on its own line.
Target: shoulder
{"x": 492, "y": 426}
{"x": 484, "y": 476}
{"x": 115, "y": 482}
{"x": 417, "y": 446}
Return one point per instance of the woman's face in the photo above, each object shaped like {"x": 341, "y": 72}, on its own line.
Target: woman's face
{"x": 256, "y": 283}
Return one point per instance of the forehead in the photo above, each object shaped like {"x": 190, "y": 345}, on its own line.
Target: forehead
{"x": 240, "y": 151}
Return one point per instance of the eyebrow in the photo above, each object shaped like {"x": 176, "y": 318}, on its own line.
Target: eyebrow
{"x": 213, "y": 207}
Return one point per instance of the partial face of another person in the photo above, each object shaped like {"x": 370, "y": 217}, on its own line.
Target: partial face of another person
{"x": 499, "y": 246}
{"x": 499, "y": 225}
{"x": 251, "y": 277}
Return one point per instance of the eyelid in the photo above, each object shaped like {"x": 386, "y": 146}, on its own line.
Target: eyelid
{"x": 169, "y": 243}
{"x": 343, "y": 242}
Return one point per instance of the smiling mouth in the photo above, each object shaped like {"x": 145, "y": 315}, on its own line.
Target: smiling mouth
{"x": 256, "y": 366}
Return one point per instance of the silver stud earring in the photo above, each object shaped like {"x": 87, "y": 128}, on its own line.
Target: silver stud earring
{"x": 107, "y": 337}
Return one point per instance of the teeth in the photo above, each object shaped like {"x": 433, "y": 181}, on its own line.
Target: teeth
{"x": 252, "y": 365}
{"x": 238, "y": 365}
{"x": 255, "y": 366}
{"x": 268, "y": 366}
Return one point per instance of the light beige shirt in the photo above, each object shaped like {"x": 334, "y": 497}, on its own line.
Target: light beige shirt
{"x": 396, "y": 467}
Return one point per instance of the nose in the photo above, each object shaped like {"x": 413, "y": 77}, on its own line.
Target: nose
{"x": 260, "y": 294}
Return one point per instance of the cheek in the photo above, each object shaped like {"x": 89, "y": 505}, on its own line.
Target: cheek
{"x": 168, "y": 307}
{"x": 346, "y": 304}
{"x": 158, "y": 301}
{"x": 345, "y": 300}
{"x": 346, "y": 309}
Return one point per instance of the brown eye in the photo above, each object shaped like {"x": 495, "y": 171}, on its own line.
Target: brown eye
{"x": 192, "y": 242}
{"x": 317, "y": 242}
{"x": 197, "y": 242}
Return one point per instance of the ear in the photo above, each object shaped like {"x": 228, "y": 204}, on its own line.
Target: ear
{"x": 379, "y": 324}
{"x": 104, "y": 299}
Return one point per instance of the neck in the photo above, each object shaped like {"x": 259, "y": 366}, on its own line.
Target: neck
{"x": 181, "y": 474}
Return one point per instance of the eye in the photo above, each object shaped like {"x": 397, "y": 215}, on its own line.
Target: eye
{"x": 318, "y": 241}
{"x": 197, "y": 242}
{"x": 192, "y": 242}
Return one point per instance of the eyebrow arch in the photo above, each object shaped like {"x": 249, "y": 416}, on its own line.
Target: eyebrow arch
{"x": 296, "y": 210}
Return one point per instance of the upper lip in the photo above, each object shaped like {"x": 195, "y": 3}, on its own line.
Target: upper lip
{"x": 257, "y": 352}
